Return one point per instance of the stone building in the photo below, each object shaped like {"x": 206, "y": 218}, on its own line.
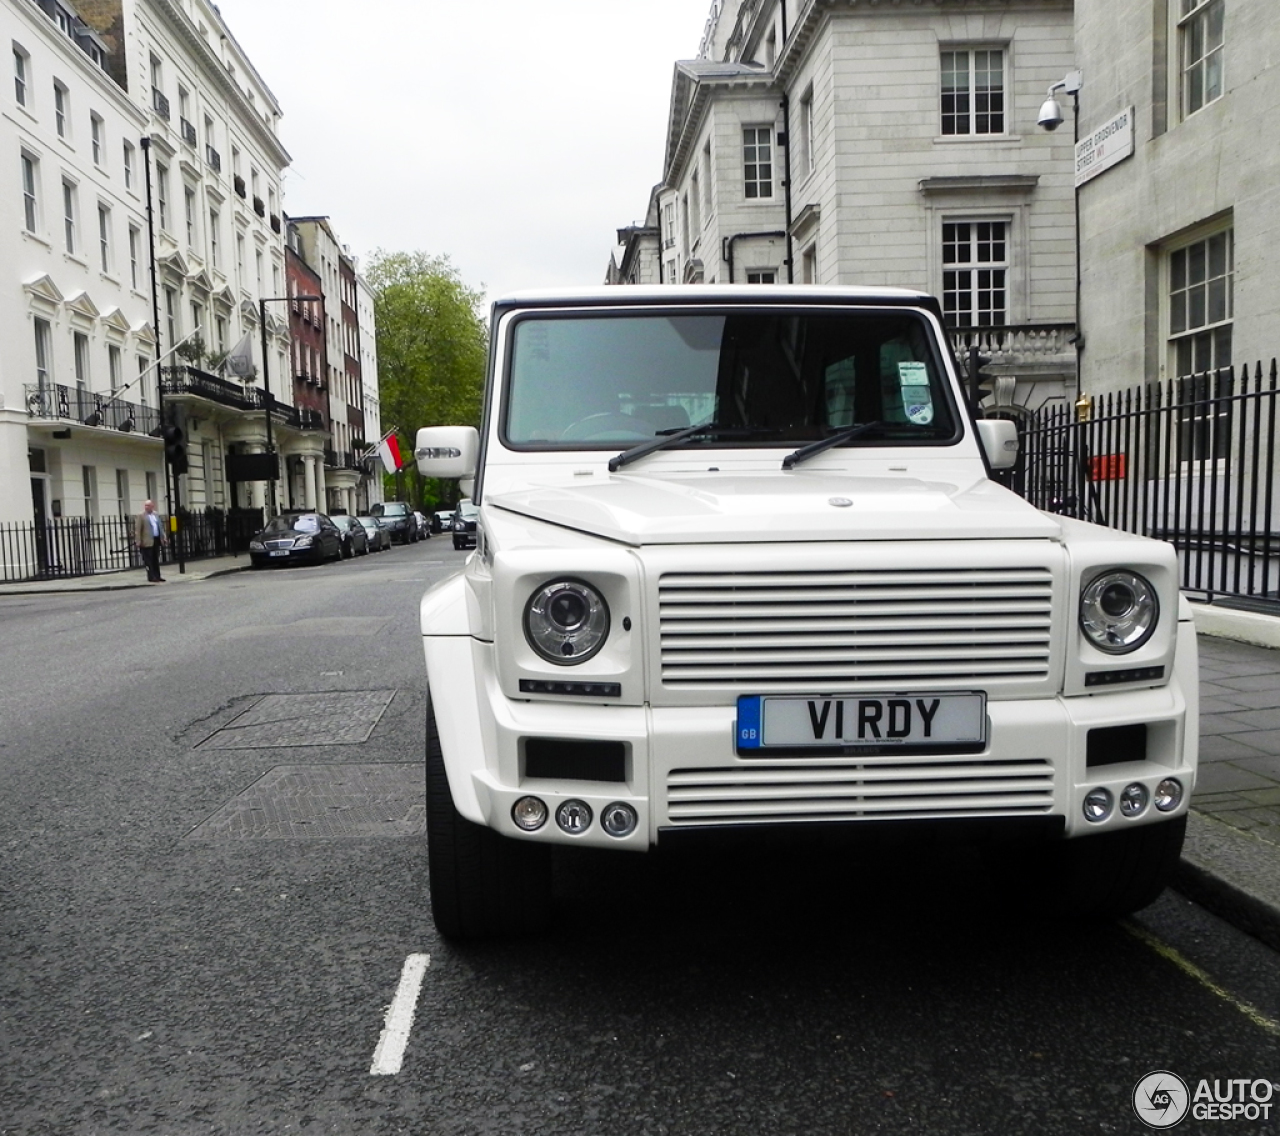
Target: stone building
{"x": 1175, "y": 235}
{"x": 835, "y": 141}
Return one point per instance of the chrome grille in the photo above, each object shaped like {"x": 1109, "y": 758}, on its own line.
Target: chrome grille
{"x": 893, "y": 788}
{"x": 780, "y": 631}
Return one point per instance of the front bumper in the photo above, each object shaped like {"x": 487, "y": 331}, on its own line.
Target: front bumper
{"x": 682, "y": 772}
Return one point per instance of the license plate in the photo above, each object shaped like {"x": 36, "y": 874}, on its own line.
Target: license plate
{"x": 278, "y": 552}
{"x": 872, "y": 721}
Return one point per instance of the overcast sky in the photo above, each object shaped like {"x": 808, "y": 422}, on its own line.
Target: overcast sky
{"x": 515, "y": 137}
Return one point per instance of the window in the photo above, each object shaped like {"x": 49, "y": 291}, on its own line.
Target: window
{"x": 189, "y": 208}
{"x": 135, "y": 251}
{"x": 804, "y": 122}
{"x": 257, "y": 257}
{"x": 61, "y": 105}
{"x": 143, "y": 364}
{"x": 115, "y": 367}
{"x": 128, "y": 165}
{"x": 1201, "y": 303}
{"x": 162, "y": 194}
{"x": 44, "y": 352}
{"x": 82, "y": 360}
{"x": 197, "y": 318}
{"x": 809, "y": 266}
{"x": 29, "y": 199}
{"x": 757, "y": 161}
{"x": 95, "y": 137}
{"x": 695, "y": 204}
{"x": 104, "y": 237}
{"x": 706, "y": 180}
{"x": 69, "y": 215}
{"x": 122, "y": 492}
{"x": 240, "y": 255}
{"x": 756, "y": 276}
{"x": 21, "y": 64}
{"x": 171, "y": 315}
{"x": 90, "y": 481}
{"x": 214, "y": 221}
{"x": 1200, "y": 49}
{"x": 975, "y": 262}
{"x": 973, "y": 91}
{"x": 151, "y": 486}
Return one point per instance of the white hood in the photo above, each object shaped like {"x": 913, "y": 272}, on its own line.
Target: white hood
{"x": 723, "y": 507}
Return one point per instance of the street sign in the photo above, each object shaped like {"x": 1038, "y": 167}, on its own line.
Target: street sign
{"x": 1098, "y": 151}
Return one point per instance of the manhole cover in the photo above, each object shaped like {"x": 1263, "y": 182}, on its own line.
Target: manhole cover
{"x": 324, "y": 802}
{"x": 280, "y": 720}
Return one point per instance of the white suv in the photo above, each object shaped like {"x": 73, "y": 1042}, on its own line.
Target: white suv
{"x": 741, "y": 565}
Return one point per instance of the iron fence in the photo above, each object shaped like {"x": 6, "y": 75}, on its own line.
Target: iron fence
{"x": 1190, "y": 460}
{"x": 81, "y": 546}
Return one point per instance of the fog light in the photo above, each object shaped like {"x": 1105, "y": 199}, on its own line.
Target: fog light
{"x": 1168, "y": 794}
{"x": 1133, "y": 799}
{"x": 1097, "y": 805}
{"x": 618, "y": 819}
{"x": 574, "y": 817}
{"x": 529, "y": 813}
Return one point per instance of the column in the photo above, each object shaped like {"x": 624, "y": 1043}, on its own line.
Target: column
{"x": 309, "y": 481}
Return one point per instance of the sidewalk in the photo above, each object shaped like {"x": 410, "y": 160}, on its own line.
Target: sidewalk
{"x": 1231, "y": 860}
{"x": 129, "y": 578}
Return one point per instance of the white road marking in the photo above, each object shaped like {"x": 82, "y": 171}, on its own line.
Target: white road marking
{"x": 389, "y": 1055}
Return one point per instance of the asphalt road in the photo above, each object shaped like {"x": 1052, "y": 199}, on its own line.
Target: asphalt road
{"x": 205, "y": 915}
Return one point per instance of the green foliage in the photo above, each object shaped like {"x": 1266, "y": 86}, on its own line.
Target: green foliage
{"x": 432, "y": 349}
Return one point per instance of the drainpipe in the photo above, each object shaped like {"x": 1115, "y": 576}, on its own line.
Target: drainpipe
{"x": 726, "y": 246}
{"x": 786, "y": 167}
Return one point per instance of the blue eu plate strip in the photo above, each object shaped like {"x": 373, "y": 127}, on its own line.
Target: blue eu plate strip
{"x": 749, "y": 735}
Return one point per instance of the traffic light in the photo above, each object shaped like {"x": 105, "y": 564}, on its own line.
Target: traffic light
{"x": 175, "y": 448}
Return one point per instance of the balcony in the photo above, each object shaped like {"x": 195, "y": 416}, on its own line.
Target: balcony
{"x": 71, "y": 404}
{"x": 1024, "y": 347}
{"x": 191, "y": 381}
{"x": 259, "y": 206}
{"x": 212, "y": 159}
{"x": 238, "y": 182}
{"x": 159, "y": 103}
{"x": 275, "y": 222}
{"x": 188, "y": 132}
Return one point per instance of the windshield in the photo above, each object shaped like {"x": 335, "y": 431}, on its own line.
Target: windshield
{"x": 306, "y": 523}
{"x": 758, "y": 377}
{"x": 392, "y": 509}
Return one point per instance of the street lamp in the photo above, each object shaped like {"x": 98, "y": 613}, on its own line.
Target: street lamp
{"x": 263, "y": 301}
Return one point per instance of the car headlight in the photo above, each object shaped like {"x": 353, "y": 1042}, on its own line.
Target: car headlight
{"x": 257, "y": 546}
{"x": 566, "y": 621}
{"x": 1119, "y": 611}
{"x": 302, "y": 542}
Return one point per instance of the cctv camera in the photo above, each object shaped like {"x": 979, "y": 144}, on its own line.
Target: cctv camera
{"x": 1050, "y": 114}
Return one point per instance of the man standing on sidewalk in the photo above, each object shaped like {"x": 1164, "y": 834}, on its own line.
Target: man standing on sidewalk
{"x": 149, "y": 535}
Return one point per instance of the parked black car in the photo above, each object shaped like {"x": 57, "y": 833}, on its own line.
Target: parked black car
{"x": 355, "y": 541}
{"x": 464, "y": 524}
{"x": 377, "y": 532}
{"x": 309, "y": 537}
{"x": 399, "y": 519}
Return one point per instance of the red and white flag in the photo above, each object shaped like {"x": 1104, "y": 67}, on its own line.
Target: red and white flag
{"x": 389, "y": 452}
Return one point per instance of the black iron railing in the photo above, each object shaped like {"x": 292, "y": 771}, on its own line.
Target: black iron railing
{"x": 1189, "y": 460}
{"x": 71, "y": 404}
{"x": 81, "y": 546}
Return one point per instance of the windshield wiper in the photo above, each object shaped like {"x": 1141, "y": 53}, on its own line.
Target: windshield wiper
{"x": 671, "y": 437}
{"x": 846, "y": 435}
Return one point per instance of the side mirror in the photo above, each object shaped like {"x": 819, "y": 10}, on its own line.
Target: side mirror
{"x": 447, "y": 451}
{"x": 1000, "y": 441}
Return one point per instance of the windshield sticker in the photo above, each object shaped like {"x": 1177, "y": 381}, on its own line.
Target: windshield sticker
{"x": 917, "y": 399}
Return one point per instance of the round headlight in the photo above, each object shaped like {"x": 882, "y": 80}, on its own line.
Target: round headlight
{"x": 566, "y": 621}
{"x": 1118, "y": 611}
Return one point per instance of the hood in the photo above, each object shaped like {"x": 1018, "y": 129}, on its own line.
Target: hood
{"x": 724, "y": 508}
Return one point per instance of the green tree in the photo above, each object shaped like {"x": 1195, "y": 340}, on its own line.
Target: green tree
{"x": 432, "y": 348}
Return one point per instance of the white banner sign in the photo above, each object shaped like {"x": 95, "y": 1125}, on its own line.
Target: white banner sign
{"x": 1112, "y": 142}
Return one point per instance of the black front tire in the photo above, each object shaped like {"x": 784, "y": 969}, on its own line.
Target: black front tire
{"x": 483, "y": 885}
{"x": 1106, "y": 876}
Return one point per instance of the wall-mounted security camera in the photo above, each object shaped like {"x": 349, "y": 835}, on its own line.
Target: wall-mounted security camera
{"x": 1050, "y": 114}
